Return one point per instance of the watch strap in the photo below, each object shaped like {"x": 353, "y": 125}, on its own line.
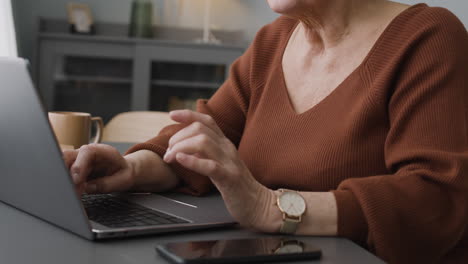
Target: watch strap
{"x": 289, "y": 226}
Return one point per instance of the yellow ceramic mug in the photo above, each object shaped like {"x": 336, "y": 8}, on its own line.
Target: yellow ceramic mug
{"x": 74, "y": 128}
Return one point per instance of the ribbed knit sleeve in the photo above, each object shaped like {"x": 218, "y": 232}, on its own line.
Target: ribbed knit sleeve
{"x": 419, "y": 211}
{"x": 228, "y": 106}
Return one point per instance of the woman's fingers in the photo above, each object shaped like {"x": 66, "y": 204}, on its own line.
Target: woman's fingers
{"x": 83, "y": 164}
{"x": 99, "y": 168}
{"x": 201, "y": 145}
{"x": 90, "y": 158}
{"x": 120, "y": 181}
{"x": 205, "y": 167}
{"x": 69, "y": 156}
{"x": 194, "y": 129}
{"x": 200, "y": 138}
{"x": 187, "y": 116}
{"x": 80, "y": 188}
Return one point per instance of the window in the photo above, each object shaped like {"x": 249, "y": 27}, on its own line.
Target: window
{"x": 7, "y": 30}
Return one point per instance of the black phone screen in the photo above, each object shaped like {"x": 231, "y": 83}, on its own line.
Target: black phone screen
{"x": 239, "y": 250}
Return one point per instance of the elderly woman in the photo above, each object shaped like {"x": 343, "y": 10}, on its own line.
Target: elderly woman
{"x": 343, "y": 118}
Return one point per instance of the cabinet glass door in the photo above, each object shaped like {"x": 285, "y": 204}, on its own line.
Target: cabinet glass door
{"x": 177, "y": 85}
{"x": 100, "y": 86}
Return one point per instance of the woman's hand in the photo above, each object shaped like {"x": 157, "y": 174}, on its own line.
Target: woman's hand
{"x": 99, "y": 168}
{"x": 203, "y": 148}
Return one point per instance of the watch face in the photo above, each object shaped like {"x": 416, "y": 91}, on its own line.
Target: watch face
{"x": 292, "y": 203}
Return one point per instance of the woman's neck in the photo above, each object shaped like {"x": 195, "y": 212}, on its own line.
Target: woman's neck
{"x": 329, "y": 23}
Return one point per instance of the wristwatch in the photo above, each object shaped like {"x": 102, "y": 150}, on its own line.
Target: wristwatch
{"x": 292, "y": 206}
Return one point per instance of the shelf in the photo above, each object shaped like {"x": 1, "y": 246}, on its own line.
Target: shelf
{"x": 58, "y": 29}
{"x": 100, "y": 99}
{"x": 187, "y": 84}
{"x": 142, "y": 74}
{"x": 95, "y": 79}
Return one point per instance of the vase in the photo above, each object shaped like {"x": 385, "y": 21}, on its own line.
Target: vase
{"x": 141, "y": 19}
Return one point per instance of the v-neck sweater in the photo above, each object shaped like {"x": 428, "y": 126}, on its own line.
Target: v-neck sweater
{"x": 390, "y": 141}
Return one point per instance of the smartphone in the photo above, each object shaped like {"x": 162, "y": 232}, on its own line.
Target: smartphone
{"x": 248, "y": 250}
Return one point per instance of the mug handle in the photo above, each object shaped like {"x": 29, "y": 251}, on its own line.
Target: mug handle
{"x": 100, "y": 128}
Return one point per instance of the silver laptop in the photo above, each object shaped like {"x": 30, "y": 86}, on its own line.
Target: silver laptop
{"x": 35, "y": 179}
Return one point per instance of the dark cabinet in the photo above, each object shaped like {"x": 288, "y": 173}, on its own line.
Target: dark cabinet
{"x": 106, "y": 74}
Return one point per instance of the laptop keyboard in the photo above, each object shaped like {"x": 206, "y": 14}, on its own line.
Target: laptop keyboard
{"x": 110, "y": 211}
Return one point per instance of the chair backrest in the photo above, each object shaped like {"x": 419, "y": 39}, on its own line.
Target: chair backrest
{"x": 135, "y": 126}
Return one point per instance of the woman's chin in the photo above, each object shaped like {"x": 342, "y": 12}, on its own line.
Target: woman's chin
{"x": 282, "y": 6}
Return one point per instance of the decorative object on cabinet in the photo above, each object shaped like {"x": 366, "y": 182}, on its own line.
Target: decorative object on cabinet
{"x": 80, "y": 18}
{"x": 141, "y": 19}
{"x": 208, "y": 36}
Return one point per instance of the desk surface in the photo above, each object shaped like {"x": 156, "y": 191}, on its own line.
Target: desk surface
{"x": 26, "y": 239}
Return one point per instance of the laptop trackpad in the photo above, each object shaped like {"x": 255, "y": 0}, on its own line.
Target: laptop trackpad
{"x": 209, "y": 208}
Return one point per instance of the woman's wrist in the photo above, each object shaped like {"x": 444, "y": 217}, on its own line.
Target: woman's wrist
{"x": 150, "y": 173}
{"x": 267, "y": 216}
{"x": 275, "y": 216}
{"x": 320, "y": 217}
{"x": 133, "y": 162}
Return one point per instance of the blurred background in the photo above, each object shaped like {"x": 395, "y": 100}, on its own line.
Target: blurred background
{"x": 139, "y": 55}
{"x": 246, "y": 15}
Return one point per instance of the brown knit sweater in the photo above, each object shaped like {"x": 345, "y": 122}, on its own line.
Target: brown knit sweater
{"x": 390, "y": 141}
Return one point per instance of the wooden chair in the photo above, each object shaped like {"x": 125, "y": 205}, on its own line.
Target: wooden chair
{"x": 135, "y": 126}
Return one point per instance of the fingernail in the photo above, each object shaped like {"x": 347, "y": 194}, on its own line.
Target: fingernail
{"x": 166, "y": 155}
{"x": 91, "y": 188}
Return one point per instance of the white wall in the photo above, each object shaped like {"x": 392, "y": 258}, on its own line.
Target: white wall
{"x": 7, "y": 31}
{"x": 247, "y": 15}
